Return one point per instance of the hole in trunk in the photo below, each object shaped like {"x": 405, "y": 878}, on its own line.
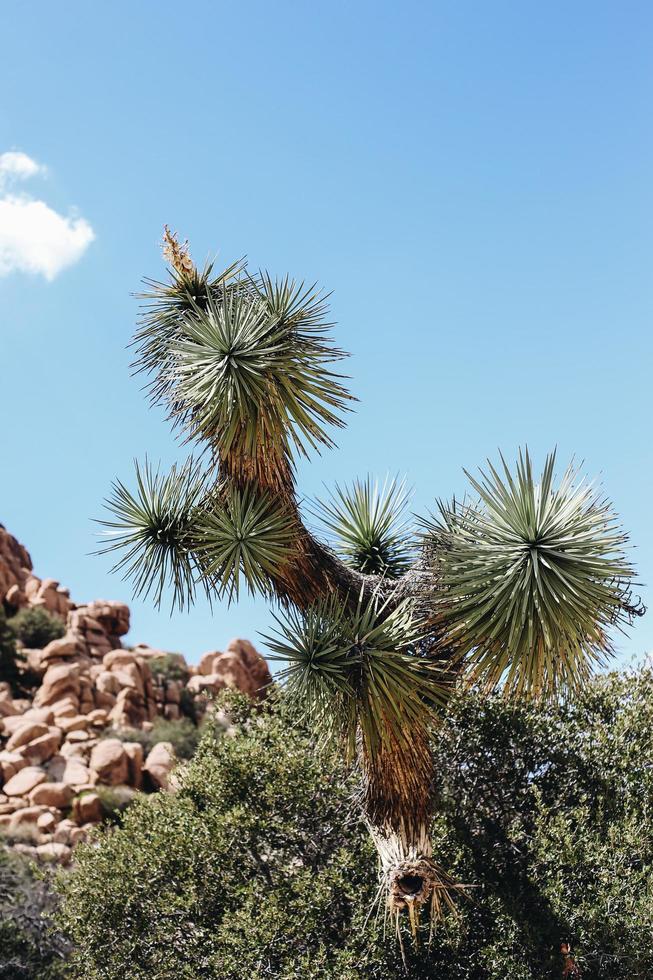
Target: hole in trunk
{"x": 410, "y": 884}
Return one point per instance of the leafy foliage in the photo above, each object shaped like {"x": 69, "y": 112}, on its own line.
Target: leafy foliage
{"x": 30, "y": 948}
{"x": 172, "y": 533}
{"x": 359, "y": 670}
{"x": 9, "y": 656}
{"x": 243, "y": 361}
{"x": 183, "y": 734}
{"x": 257, "y": 867}
{"x": 368, "y": 526}
{"x": 168, "y": 667}
{"x": 115, "y": 801}
{"x": 533, "y": 577}
{"x": 153, "y": 529}
{"x": 35, "y": 627}
{"x": 247, "y": 535}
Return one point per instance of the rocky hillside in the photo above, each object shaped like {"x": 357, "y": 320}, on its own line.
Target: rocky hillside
{"x": 81, "y": 737}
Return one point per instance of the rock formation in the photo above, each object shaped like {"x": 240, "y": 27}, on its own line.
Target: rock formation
{"x": 70, "y": 736}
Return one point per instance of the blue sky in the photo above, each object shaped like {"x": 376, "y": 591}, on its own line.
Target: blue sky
{"x": 472, "y": 180}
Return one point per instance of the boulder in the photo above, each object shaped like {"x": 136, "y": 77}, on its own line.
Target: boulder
{"x": 159, "y": 762}
{"x": 29, "y": 814}
{"x": 71, "y": 772}
{"x": 87, "y": 808}
{"x": 41, "y": 749}
{"x": 10, "y": 764}
{"x": 67, "y": 707}
{"x": 44, "y": 715}
{"x": 119, "y": 658}
{"x": 205, "y": 665}
{"x": 53, "y": 851}
{"x": 107, "y": 683}
{"x": 15, "y": 562}
{"x": 256, "y": 665}
{"x": 65, "y": 647}
{"x": 63, "y": 830}
{"x": 109, "y": 762}
{"x": 25, "y": 733}
{"x": 24, "y": 781}
{"x": 51, "y": 794}
{"x": 134, "y": 753}
{"x": 46, "y": 823}
{"x": 74, "y": 723}
{"x": 58, "y": 681}
{"x": 211, "y": 683}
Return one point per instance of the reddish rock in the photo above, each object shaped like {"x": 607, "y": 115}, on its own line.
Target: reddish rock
{"x": 134, "y": 752}
{"x": 99, "y": 717}
{"x": 24, "y": 781}
{"x": 64, "y": 648}
{"x": 211, "y": 683}
{"x": 63, "y": 831}
{"x": 87, "y": 808}
{"x": 29, "y": 814}
{"x": 10, "y": 764}
{"x": 67, "y": 707}
{"x": 205, "y": 665}
{"x": 51, "y": 794}
{"x": 54, "y": 851}
{"x": 256, "y": 665}
{"x": 41, "y": 749}
{"x": 46, "y": 823}
{"x": 44, "y": 715}
{"x": 159, "y": 762}
{"x": 76, "y": 723}
{"x": 58, "y": 681}
{"x": 15, "y": 562}
{"x": 25, "y": 733}
{"x": 109, "y": 762}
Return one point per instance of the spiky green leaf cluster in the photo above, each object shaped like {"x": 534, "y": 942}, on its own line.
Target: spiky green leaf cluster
{"x": 359, "y": 670}
{"x": 153, "y": 530}
{"x": 242, "y": 362}
{"x": 246, "y": 536}
{"x": 173, "y": 533}
{"x": 368, "y": 526}
{"x": 533, "y": 578}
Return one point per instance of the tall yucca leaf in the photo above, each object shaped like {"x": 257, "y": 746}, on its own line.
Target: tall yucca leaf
{"x": 533, "y": 576}
{"x": 153, "y": 530}
{"x": 166, "y": 305}
{"x": 369, "y": 527}
{"x": 243, "y": 535}
{"x": 239, "y": 371}
{"x": 361, "y": 671}
{"x": 320, "y": 671}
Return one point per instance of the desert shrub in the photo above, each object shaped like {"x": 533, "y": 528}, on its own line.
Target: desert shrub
{"x": 22, "y": 833}
{"x": 183, "y": 734}
{"x": 9, "y": 655}
{"x": 115, "y": 801}
{"x": 30, "y": 947}
{"x": 168, "y": 667}
{"x": 35, "y": 627}
{"x": 171, "y": 667}
{"x": 259, "y": 865}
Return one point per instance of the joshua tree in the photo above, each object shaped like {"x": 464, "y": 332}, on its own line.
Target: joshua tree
{"x": 516, "y": 587}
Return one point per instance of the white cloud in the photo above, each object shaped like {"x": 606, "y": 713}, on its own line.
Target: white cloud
{"x": 34, "y": 238}
{"x": 17, "y": 166}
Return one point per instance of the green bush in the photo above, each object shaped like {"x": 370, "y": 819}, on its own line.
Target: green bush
{"x": 115, "y": 801}
{"x": 35, "y": 627}
{"x": 259, "y": 865}
{"x": 9, "y": 656}
{"x": 169, "y": 667}
{"x": 183, "y": 734}
{"x": 30, "y": 948}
